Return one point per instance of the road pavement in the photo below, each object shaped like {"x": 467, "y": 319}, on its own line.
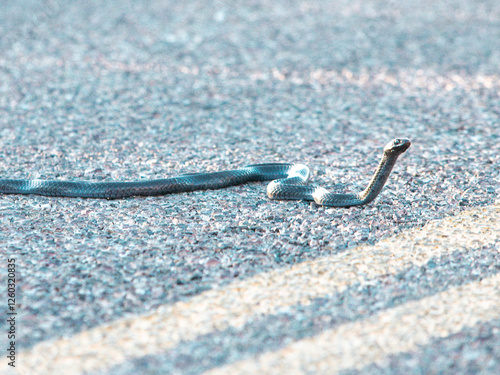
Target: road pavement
{"x": 228, "y": 281}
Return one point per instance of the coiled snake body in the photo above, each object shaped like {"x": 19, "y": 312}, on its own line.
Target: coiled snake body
{"x": 289, "y": 182}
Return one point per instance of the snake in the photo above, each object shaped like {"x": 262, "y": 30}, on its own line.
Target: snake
{"x": 288, "y": 182}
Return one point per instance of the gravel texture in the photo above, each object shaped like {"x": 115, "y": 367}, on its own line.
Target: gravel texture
{"x": 274, "y": 331}
{"x": 274, "y": 292}
{"x": 125, "y": 90}
{"x": 475, "y": 351}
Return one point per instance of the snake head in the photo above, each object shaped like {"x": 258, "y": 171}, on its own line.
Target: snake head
{"x": 397, "y": 146}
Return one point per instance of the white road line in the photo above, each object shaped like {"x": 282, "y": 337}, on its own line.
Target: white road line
{"x": 266, "y": 293}
{"x": 400, "y": 329}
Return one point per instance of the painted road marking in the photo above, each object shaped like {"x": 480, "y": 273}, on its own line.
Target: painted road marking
{"x": 400, "y": 329}
{"x": 266, "y": 293}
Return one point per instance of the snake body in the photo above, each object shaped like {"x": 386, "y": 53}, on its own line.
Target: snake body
{"x": 289, "y": 182}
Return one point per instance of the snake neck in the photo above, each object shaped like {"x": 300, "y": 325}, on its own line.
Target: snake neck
{"x": 379, "y": 179}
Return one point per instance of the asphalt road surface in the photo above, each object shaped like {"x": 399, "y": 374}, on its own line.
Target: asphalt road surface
{"x": 228, "y": 281}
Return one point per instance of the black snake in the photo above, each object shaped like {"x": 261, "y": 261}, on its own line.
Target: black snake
{"x": 289, "y": 182}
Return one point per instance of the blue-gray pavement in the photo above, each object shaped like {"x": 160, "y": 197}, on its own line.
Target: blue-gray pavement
{"x": 126, "y": 90}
